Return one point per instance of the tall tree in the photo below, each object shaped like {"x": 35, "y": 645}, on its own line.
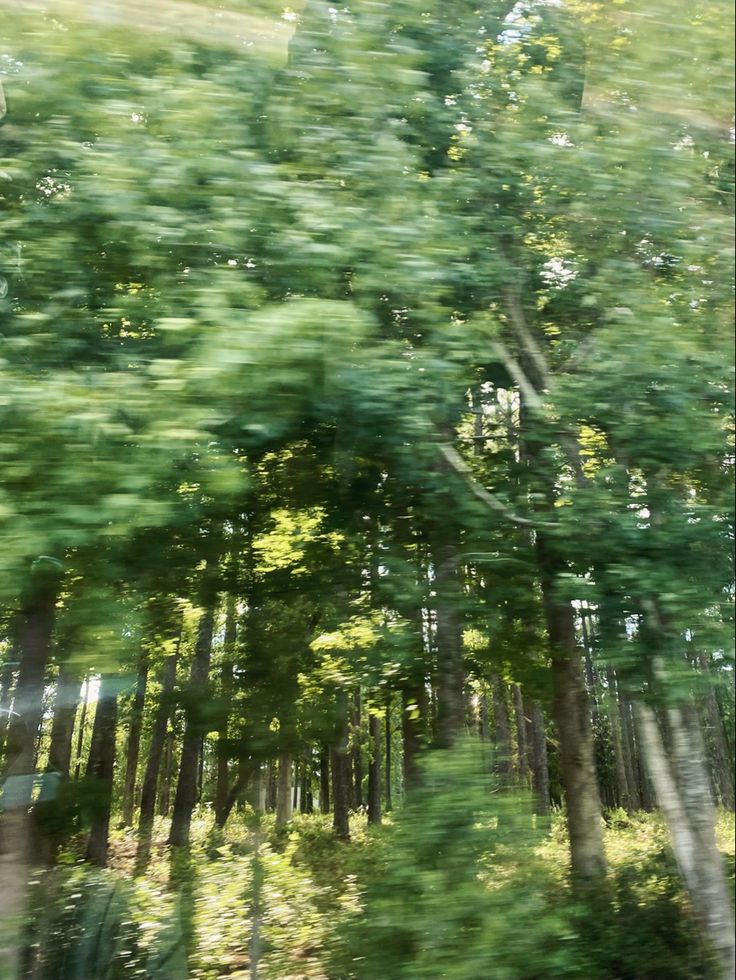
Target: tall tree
{"x": 186, "y": 787}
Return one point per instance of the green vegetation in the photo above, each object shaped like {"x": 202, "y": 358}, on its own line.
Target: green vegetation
{"x": 409, "y": 901}
{"x": 366, "y": 491}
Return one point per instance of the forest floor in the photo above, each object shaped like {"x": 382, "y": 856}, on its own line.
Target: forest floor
{"x": 312, "y": 885}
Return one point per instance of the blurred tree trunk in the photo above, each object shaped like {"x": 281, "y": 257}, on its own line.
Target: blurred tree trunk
{"x": 186, "y": 788}
{"x": 571, "y": 712}
{"x": 34, "y": 626}
{"x": 413, "y": 728}
{"x": 635, "y": 779}
{"x": 132, "y": 751}
{"x": 483, "y": 718}
{"x": 681, "y": 784}
{"x": 32, "y": 646}
{"x": 271, "y": 787}
{"x": 521, "y": 734}
{"x": 246, "y": 776}
{"x": 254, "y": 792}
{"x": 571, "y": 708}
{"x": 501, "y": 731}
{"x": 450, "y": 669}
{"x": 340, "y": 766}
{"x": 591, "y": 679}
{"x": 716, "y": 740}
{"x": 100, "y": 768}
{"x": 81, "y": 727}
{"x": 306, "y": 803}
{"x": 540, "y": 767}
{"x": 6, "y": 695}
{"x": 374, "y": 769}
{"x": 166, "y": 775}
{"x": 623, "y": 786}
{"x": 324, "y": 779}
{"x": 153, "y": 763}
{"x": 226, "y": 678}
{"x": 284, "y": 803}
{"x": 387, "y": 760}
{"x": 68, "y": 689}
{"x": 356, "y": 754}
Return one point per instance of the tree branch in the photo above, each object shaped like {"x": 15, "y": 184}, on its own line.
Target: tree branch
{"x": 458, "y": 464}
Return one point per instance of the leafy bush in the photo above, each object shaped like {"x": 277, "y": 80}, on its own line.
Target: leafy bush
{"x": 85, "y": 929}
{"x": 465, "y": 890}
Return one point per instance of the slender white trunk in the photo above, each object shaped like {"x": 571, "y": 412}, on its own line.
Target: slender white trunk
{"x": 683, "y": 793}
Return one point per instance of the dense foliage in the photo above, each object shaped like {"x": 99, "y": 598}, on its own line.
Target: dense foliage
{"x": 367, "y": 448}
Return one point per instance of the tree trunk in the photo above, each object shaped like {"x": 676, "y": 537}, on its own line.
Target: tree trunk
{"x": 255, "y": 791}
{"x": 62, "y": 727}
{"x": 681, "y": 785}
{"x": 483, "y": 726}
{"x": 305, "y": 785}
{"x": 501, "y": 731}
{"x": 623, "y": 792}
{"x": 82, "y": 725}
{"x": 340, "y": 766}
{"x": 450, "y": 672}
{"x": 540, "y": 768}
{"x": 153, "y": 764}
{"x": 6, "y": 696}
{"x": 284, "y": 803}
{"x": 413, "y": 722}
{"x": 374, "y": 770}
{"x": 716, "y": 741}
{"x": 324, "y": 779}
{"x": 186, "y": 788}
{"x": 200, "y": 769}
{"x": 590, "y": 672}
{"x": 132, "y": 751}
{"x": 32, "y": 646}
{"x": 387, "y": 734}
{"x": 521, "y": 735}
{"x": 166, "y": 776}
{"x": 630, "y": 753}
{"x": 271, "y": 787}
{"x": 226, "y": 678}
{"x": 357, "y": 754}
{"x": 100, "y": 769}
{"x": 245, "y": 775}
{"x": 571, "y": 712}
